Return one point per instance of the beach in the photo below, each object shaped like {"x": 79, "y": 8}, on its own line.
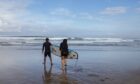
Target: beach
{"x": 100, "y": 37}
{"x": 96, "y": 65}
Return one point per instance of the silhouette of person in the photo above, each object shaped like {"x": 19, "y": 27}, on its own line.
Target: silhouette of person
{"x": 47, "y": 51}
{"x": 47, "y": 79}
{"x": 64, "y": 52}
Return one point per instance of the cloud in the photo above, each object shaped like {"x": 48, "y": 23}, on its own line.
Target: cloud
{"x": 69, "y": 14}
{"x": 114, "y": 10}
{"x": 10, "y": 12}
{"x": 9, "y": 26}
{"x": 62, "y": 12}
{"x": 13, "y": 5}
{"x": 86, "y": 16}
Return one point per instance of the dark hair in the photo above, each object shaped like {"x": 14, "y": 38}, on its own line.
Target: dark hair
{"x": 47, "y": 39}
{"x": 65, "y": 41}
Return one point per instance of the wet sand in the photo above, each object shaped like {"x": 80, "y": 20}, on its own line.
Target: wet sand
{"x": 96, "y": 65}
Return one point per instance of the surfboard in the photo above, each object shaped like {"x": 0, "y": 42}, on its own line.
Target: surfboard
{"x": 56, "y": 51}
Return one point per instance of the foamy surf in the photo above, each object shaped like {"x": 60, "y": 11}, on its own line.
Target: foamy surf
{"x": 37, "y": 41}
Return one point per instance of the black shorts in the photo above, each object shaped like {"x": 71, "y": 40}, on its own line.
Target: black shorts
{"x": 63, "y": 53}
{"x": 47, "y": 54}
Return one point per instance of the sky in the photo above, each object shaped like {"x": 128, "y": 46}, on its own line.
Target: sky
{"x": 77, "y": 18}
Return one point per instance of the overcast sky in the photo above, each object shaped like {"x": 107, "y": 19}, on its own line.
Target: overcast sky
{"x": 70, "y": 17}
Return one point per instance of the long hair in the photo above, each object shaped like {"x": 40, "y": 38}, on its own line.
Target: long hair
{"x": 65, "y": 41}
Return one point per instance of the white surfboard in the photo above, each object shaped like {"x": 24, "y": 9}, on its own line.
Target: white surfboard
{"x": 56, "y": 51}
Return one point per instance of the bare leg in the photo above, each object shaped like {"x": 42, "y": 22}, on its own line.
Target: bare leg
{"x": 51, "y": 60}
{"x": 44, "y": 60}
{"x": 65, "y": 61}
{"x": 62, "y": 62}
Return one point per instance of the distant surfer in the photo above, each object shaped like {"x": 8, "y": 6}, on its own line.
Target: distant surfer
{"x": 47, "y": 51}
{"x": 64, "y": 52}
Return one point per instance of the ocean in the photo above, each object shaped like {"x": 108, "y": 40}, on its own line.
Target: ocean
{"x": 87, "y": 41}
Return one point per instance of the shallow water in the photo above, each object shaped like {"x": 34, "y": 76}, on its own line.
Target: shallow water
{"x": 96, "y": 64}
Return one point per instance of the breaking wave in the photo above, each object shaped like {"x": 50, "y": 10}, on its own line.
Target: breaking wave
{"x": 37, "y": 41}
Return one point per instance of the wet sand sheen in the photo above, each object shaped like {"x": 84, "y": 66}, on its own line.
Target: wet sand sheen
{"x": 21, "y": 66}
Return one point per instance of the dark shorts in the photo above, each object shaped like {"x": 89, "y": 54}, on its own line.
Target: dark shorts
{"x": 47, "y": 54}
{"x": 65, "y": 54}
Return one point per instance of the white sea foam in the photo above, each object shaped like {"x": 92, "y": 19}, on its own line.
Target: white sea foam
{"x": 71, "y": 41}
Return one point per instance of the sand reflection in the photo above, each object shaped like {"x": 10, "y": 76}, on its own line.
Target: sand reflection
{"x": 47, "y": 78}
{"x": 61, "y": 78}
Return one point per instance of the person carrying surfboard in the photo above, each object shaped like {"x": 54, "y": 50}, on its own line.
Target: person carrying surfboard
{"x": 64, "y": 52}
{"x": 47, "y": 50}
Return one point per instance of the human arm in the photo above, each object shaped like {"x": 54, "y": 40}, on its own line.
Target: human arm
{"x": 43, "y": 47}
{"x": 60, "y": 47}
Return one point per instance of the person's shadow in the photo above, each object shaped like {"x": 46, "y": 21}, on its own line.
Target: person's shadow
{"x": 47, "y": 79}
{"x": 64, "y": 78}
{"x": 61, "y": 78}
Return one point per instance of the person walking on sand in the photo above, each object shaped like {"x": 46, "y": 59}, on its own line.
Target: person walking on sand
{"x": 64, "y": 52}
{"x": 47, "y": 51}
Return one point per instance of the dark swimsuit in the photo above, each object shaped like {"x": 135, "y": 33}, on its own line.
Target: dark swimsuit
{"x": 47, "y": 49}
{"x": 64, "y": 49}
